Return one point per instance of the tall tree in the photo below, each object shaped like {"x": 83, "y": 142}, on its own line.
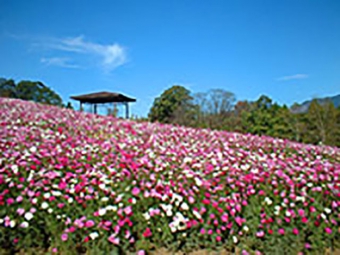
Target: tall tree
{"x": 322, "y": 121}
{"x": 214, "y": 108}
{"x": 172, "y": 106}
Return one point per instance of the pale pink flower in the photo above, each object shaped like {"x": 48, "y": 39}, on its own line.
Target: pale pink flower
{"x": 113, "y": 239}
{"x": 135, "y": 191}
{"x": 64, "y": 237}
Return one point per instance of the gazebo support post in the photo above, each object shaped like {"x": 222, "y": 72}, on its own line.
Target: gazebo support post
{"x": 95, "y": 108}
{"x": 81, "y": 106}
{"x": 126, "y": 110}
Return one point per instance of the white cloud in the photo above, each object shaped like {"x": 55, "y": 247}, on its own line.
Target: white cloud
{"x": 57, "y": 61}
{"x": 293, "y": 77}
{"x": 109, "y": 56}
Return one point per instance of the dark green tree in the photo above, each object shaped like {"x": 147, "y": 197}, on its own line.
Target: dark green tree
{"x": 267, "y": 118}
{"x": 173, "y": 106}
{"x": 38, "y": 92}
{"x": 7, "y": 88}
{"x": 30, "y": 90}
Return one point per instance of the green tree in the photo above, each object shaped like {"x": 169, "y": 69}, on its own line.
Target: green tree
{"x": 36, "y": 91}
{"x": 7, "y": 88}
{"x": 267, "y": 118}
{"x": 30, "y": 90}
{"x": 173, "y": 106}
{"x": 322, "y": 123}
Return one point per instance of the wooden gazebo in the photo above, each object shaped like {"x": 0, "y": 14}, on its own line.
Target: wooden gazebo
{"x": 103, "y": 98}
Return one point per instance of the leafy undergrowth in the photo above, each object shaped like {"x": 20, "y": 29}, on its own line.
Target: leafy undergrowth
{"x": 74, "y": 182}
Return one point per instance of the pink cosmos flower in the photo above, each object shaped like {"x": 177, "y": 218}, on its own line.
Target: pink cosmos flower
{"x": 224, "y": 217}
{"x": 113, "y": 239}
{"x": 128, "y": 210}
{"x": 141, "y": 252}
{"x": 64, "y": 237}
{"x": 295, "y": 231}
{"x": 328, "y": 230}
{"x": 260, "y": 234}
{"x": 135, "y": 191}
{"x": 281, "y": 231}
{"x": 10, "y": 201}
{"x": 244, "y": 252}
{"x": 89, "y": 223}
{"x": 301, "y": 212}
{"x": 147, "y": 232}
{"x": 20, "y": 211}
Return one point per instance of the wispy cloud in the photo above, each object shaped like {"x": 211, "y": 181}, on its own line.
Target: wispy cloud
{"x": 293, "y": 77}
{"x": 57, "y": 61}
{"x": 109, "y": 56}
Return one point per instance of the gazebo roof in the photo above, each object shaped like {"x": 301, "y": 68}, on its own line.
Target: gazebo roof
{"x": 103, "y": 97}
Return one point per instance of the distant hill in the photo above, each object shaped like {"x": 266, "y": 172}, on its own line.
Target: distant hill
{"x": 305, "y": 105}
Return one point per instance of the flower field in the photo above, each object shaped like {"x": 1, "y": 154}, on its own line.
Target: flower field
{"x": 74, "y": 182}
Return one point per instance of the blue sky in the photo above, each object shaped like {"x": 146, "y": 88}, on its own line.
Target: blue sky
{"x": 288, "y": 50}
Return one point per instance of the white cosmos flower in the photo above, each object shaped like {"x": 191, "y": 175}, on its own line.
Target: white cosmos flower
{"x": 104, "y": 199}
{"x": 184, "y": 206}
{"x": 44, "y": 205}
{"x": 50, "y": 210}
{"x": 197, "y": 215}
{"x": 245, "y": 228}
{"x": 268, "y": 201}
{"x": 169, "y": 213}
{"x": 28, "y": 216}
{"x": 70, "y": 200}
{"x": 12, "y": 223}
{"x": 56, "y": 193}
{"x": 146, "y": 216}
{"x": 235, "y": 240}
{"x": 47, "y": 195}
{"x": 198, "y": 181}
{"x": 24, "y": 224}
{"x": 15, "y": 169}
{"x": 94, "y": 235}
{"x": 33, "y": 149}
{"x": 102, "y": 211}
{"x": 327, "y": 210}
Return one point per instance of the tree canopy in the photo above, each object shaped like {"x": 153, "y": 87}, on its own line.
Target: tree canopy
{"x": 29, "y": 90}
{"x": 171, "y": 105}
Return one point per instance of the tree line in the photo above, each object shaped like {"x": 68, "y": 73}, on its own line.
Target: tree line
{"x": 218, "y": 109}
{"x": 30, "y": 90}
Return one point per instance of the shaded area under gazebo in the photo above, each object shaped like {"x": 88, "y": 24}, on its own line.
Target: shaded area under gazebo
{"x": 103, "y": 98}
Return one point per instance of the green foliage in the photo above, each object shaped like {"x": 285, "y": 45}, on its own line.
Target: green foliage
{"x": 172, "y": 106}
{"x": 30, "y": 90}
{"x": 216, "y": 109}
